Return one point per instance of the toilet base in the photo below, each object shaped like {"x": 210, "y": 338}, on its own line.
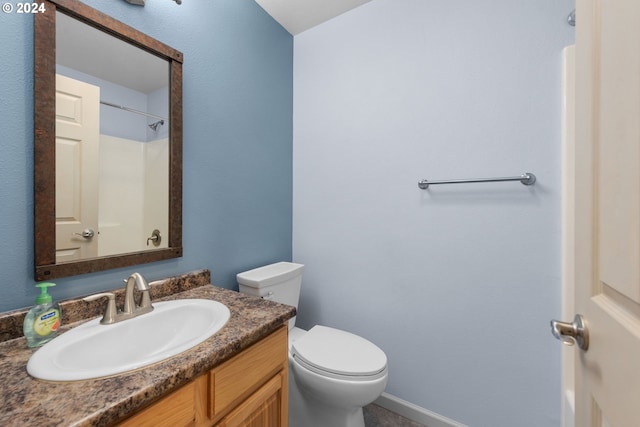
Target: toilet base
{"x": 305, "y": 411}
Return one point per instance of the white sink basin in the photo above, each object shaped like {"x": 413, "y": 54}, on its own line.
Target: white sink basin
{"x": 92, "y": 350}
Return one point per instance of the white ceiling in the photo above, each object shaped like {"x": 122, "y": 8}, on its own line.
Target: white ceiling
{"x": 91, "y": 51}
{"x": 297, "y": 16}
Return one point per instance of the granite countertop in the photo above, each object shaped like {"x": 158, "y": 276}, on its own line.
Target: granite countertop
{"x": 27, "y": 401}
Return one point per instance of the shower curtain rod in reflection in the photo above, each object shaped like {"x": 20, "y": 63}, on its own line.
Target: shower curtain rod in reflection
{"x": 132, "y": 110}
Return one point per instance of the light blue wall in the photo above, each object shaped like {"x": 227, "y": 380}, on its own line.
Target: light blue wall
{"x": 456, "y": 284}
{"x": 237, "y": 143}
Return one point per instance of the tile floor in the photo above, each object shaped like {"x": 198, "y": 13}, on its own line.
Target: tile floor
{"x": 376, "y": 416}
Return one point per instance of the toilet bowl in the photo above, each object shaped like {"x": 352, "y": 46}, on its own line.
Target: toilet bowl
{"x": 333, "y": 385}
{"x": 332, "y": 373}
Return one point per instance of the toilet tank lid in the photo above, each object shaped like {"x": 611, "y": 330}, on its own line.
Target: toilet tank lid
{"x": 269, "y": 274}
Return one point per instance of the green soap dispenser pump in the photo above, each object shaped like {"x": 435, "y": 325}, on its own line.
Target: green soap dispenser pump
{"x": 42, "y": 322}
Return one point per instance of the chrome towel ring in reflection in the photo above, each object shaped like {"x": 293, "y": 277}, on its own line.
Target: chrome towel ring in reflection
{"x": 526, "y": 179}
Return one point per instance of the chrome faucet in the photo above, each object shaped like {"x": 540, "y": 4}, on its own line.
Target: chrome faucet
{"x": 130, "y": 309}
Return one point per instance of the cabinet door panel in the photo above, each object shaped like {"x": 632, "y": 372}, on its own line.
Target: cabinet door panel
{"x": 239, "y": 377}
{"x": 175, "y": 410}
{"x": 262, "y": 409}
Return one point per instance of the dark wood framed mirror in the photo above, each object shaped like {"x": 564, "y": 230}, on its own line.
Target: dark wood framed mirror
{"x": 52, "y": 260}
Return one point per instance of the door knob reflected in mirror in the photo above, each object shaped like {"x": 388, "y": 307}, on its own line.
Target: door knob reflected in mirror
{"x": 572, "y": 333}
{"x": 156, "y": 238}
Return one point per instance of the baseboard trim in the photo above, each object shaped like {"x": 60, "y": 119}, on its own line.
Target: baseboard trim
{"x": 415, "y": 412}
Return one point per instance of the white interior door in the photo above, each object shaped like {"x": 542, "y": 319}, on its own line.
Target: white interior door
{"x": 77, "y": 169}
{"x": 607, "y": 211}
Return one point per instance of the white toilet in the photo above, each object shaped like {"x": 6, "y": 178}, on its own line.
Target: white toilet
{"x": 332, "y": 373}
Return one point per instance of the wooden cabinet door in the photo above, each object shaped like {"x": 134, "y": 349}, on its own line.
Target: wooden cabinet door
{"x": 238, "y": 378}
{"x": 261, "y": 409}
{"x": 174, "y": 410}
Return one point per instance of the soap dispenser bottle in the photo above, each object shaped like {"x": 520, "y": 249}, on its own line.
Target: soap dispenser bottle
{"x": 43, "y": 320}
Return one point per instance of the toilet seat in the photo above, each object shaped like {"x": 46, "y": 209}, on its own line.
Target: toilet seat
{"x": 339, "y": 354}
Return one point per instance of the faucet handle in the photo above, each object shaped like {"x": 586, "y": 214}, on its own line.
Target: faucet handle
{"x": 110, "y": 311}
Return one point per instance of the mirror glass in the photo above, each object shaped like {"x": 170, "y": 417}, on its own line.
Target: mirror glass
{"x": 112, "y": 164}
{"x": 108, "y": 144}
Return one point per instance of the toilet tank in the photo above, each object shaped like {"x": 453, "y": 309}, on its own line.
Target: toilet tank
{"x": 278, "y": 282}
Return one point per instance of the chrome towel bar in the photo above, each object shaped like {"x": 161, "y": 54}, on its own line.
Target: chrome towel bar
{"x": 526, "y": 178}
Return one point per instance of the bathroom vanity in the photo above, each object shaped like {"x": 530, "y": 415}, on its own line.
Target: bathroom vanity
{"x": 237, "y": 377}
{"x": 247, "y": 390}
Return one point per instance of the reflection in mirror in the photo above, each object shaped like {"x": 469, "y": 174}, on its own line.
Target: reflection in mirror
{"x": 112, "y": 107}
{"x": 108, "y": 144}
